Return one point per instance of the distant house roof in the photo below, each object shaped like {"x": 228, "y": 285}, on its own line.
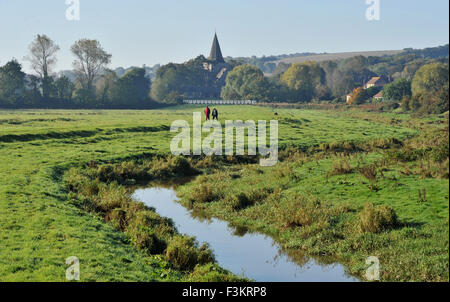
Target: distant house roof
{"x": 379, "y": 95}
{"x": 375, "y": 80}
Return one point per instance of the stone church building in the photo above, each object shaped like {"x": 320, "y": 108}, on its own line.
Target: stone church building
{"x": 214, "y": 72}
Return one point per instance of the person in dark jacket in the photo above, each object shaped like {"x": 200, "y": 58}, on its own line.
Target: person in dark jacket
{"x": 215, "y": 114}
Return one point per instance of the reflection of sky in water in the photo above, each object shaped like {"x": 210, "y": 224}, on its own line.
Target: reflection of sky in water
{"x": 255, "y": 255}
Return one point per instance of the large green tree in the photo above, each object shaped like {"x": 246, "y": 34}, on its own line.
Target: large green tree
{"x": 197, "y": 78}
{"x": 398, "y": 89}
{"x": 430, "y": 89}
{"x": 133, "y": 89}
{"x": 168, "y": 84}
{"x": 246, "y": 82}
{"x": 12, "y": 82}
{"x": 107, "y": 88}
{"x": 430, "y": 78}
{"x": 304, "y": 79}
{"x": 64, "y": 88}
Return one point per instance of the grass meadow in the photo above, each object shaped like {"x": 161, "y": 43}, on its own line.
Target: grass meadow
{"x": 349, "y": 185}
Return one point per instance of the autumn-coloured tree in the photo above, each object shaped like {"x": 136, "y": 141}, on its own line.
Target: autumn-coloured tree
{"x": 358, "y": 96}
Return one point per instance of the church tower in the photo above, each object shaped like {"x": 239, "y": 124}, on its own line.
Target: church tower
{"x": 216, "y": 53}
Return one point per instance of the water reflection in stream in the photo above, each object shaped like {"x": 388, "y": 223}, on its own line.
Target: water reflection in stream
{"x": 255, "y": 255}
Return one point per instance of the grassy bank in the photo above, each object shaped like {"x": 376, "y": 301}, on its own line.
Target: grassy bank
{"x": 42, "y": 224}
{"x": 102, "y": 191}
{"x": 344, "y": 201}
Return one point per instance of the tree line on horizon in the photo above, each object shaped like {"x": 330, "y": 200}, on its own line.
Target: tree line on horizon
{"x": 94, "y": 86}
{"x": 419, "y": 79}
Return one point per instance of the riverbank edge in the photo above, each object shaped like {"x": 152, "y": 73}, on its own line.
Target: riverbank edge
{"x": 193, "y": 262}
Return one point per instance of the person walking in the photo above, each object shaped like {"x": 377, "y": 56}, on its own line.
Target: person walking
{"x": 207, "y": 113}
{"x": 215, "y": 114}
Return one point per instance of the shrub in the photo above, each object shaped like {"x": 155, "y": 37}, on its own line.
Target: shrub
{"x": 377, "y": 219}
{"x": 184, "y": 253}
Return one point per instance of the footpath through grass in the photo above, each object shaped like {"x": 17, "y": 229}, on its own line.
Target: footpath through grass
{"x": 40, "y": 227}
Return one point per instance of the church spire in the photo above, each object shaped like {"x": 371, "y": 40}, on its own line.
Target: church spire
{"x": 216, "y": 53}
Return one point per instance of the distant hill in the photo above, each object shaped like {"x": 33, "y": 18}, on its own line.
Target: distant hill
{"x": 337, "y": 56}
{"x": 268, "y": 64}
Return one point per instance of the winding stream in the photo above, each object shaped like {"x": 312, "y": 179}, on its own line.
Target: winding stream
{"x": 255, "y": 255}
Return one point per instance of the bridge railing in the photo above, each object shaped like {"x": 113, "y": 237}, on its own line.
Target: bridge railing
{"x": 219, "y": 102}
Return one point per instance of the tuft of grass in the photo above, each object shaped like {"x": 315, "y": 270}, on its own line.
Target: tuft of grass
{"x": 243, "y": 200}
{"x": 184, "y": 254}
{"x": 213, "y": 273}
{"x": 341, "y": 167}
{"x": 370, "y": 172}
{"x": 422, "y": 193}
{"x": 202, "y": 193}
{"x": 377, "y": 219}
{"x": 146, "y": 239}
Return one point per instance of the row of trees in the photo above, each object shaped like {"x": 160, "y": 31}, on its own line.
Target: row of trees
{"x": 95, "y": 85}
{"x": 421, "y": 84}
{"x": 300, "y": 83}
{"x": 416, "y": 74}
